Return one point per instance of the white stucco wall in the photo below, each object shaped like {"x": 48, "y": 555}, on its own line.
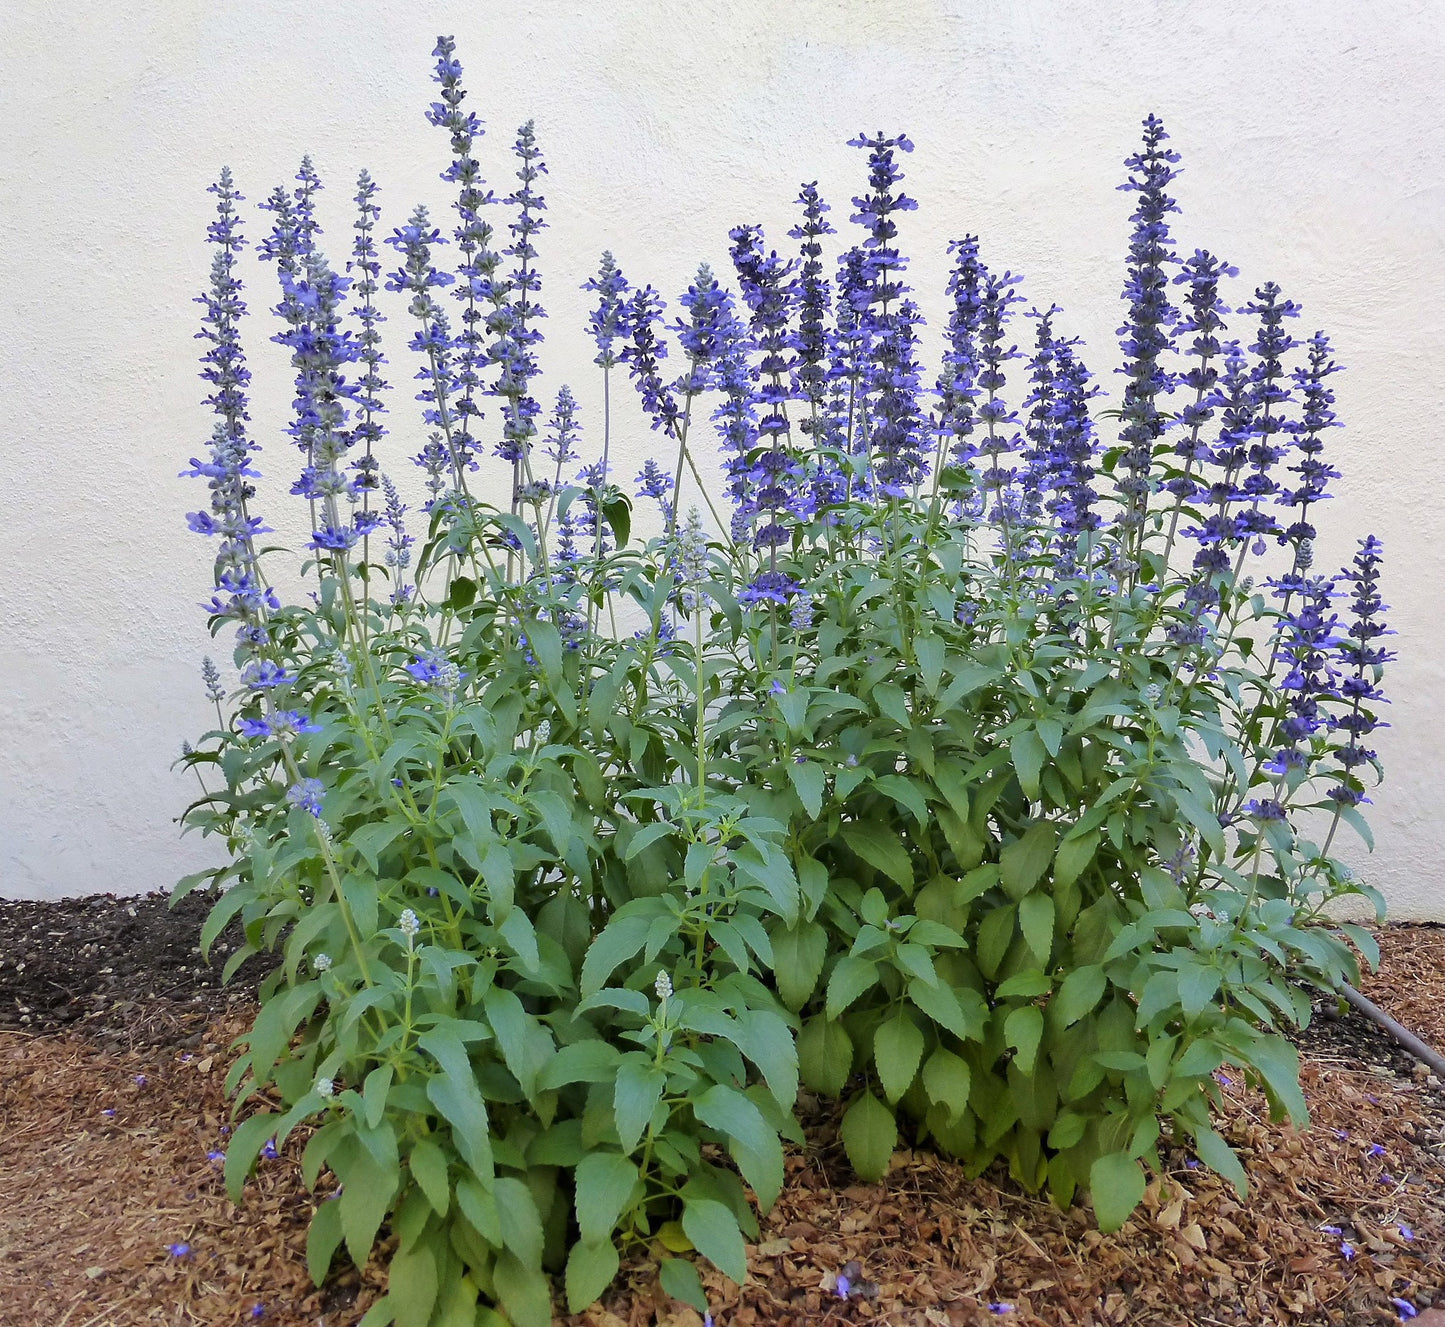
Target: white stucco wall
{"x": 1313, "y": 135}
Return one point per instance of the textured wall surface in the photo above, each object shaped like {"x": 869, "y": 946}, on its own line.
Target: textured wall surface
{"x": 1313, "y": 137}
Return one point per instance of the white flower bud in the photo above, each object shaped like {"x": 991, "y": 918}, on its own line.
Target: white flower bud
{"x": 663, "y": 986}
{"x": 325, "y": 1087}
{"x": 408, "y": 923}
{"x": 322, "y": 962}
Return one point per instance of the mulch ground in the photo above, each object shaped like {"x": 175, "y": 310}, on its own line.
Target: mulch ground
{"x": 114, "y": 1043}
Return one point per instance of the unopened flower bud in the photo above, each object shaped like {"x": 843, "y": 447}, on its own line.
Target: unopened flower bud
{"x": 663, "y": 986}
{"x": 408, "y": 923}
{"x": 325, "y": 1087}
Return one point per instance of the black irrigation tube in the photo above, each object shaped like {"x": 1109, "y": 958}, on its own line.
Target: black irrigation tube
{"x": 1401, "y": 1034}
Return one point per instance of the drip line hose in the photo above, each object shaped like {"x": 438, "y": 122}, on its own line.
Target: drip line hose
{"x": 1401, "y": 1034}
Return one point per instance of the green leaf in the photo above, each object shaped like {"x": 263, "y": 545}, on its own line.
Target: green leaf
{"x": 1211, "y": 1149}
{"x": 869, "y": 1134}
{"x": 605, "y": 1181}
{"x": 622, "y": 937}
{"x": 897, "y": 1050}
{"x": 455, "y": 1094}
{"x": 948, "y": 1080}
{"x": 243, "y": 1149}
{"x": 1023, "y": 862}
{"x": 1197, "y": 985}
{"x": 1278, "y": 1063}
{"x": 798, "y": 955}
{"x": 591, "y": 1061}
{"x": 323, "y": 1239}
{"x": 1116, "y": 1182}
{"x": 1074, "y": 856}
{"x": 411, "y": 1285}
{"x": 523, "y": 1290}
{"x": 1022, "y": 1030}
{"x": 767, "y": 1041}
{"x": 713, "y": 1229}
{"x": 366, "y": 1193}
{"x": 461, "y": 593}
{"x": 751, "y": 1140}
{"x": 1027, "y": 984}
{"x": 429, "y": 1169}
{"x": 944, "y": 1005}
{"x": 647, "y": 836}
{"x": 929, "y": 649}
{"x": 618, "y": 515}
{"x": 1036, "y": 920}
{"x": 809, "y": 782}
{"x": 590, "y": 1270}
{"x": 521, "y": 1222}
{"x": 1078, "y": 993}
{"x": 480, "y": 1208}
{"x": 995, "y": 935}
{"x": 892, "y": 703}
{"x": 525, "y": 1043}
{"x": 825, "y": 1055}
{"x": 639, "y": 1089}
{"x": 1027, "y": 753}
{"x": 881, "y": 849}
{"x": 681, "y": 1281}
{"x": 850, "y": 977}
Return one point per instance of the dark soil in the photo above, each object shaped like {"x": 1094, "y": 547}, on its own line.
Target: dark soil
{"x": 124, "y": 972}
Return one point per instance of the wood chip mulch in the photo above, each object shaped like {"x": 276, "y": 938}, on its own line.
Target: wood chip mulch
{"x": 104, "y": 1166}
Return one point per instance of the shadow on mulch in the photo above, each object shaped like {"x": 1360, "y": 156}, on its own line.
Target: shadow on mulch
{"x": 114, "y": 1042}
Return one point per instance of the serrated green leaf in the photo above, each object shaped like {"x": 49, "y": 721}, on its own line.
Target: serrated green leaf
{"x": 798, "y": 955}
{"x": 897, "y": 1050}
{"x": 948, "y": 1080}
{"x": 1036, "y": 921}
{"x": 995, "y": 935}
{"x": 524, "y": 1291}
{"x": 367, "y": 1189}
{"x": 869, "y": 1133}
{"x": 1023, "y": 862}
{"x": 1022, "y": 1030}
{"x": 411, "y": 1285}
{"x": 323, "y": 1239}
{"x": 604, "y": 1185}
{"x": 1078, "y": 993}
{"x": 810, "y": 783}
{"x": 714, "y": 1231}
{"x": 455, "y": 1094}
{"x": 681, "y": 1281}
{"x": 635, "y": 1097}
{"x": 850, "y": 977}
{"x": 1116, "y": 1183}
{"x": 1026, "y": 750}
{"x": 825, "y": 1055}
{"x": 591, "y": 1061}
{"x": 429, "y": 1169}
{"x": 590, "y": 1270}
{"x": 751, "y": 1140}
{"x": 767, "y": 1041}
{"x": 622, "y": 937}
{"x": 1074, "y": 856}
{"x": 882, "y": 849}
{"x": 945, "y": 1006}
{"x": 1211, "y": 1149}
{"x": 243, "y": 1149}
{"x": 1278, "y": 1063}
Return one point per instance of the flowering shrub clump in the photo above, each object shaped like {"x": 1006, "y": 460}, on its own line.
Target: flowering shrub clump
{"x": 946, "y": 762}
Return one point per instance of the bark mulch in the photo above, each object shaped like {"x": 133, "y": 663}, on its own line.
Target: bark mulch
{"x": 114, "y": 1043}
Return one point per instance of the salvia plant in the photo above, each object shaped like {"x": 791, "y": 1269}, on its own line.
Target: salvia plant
{"x": 974, "y": 756}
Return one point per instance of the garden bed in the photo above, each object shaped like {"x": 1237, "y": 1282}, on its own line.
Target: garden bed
{"x": 113, "y": 1050}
